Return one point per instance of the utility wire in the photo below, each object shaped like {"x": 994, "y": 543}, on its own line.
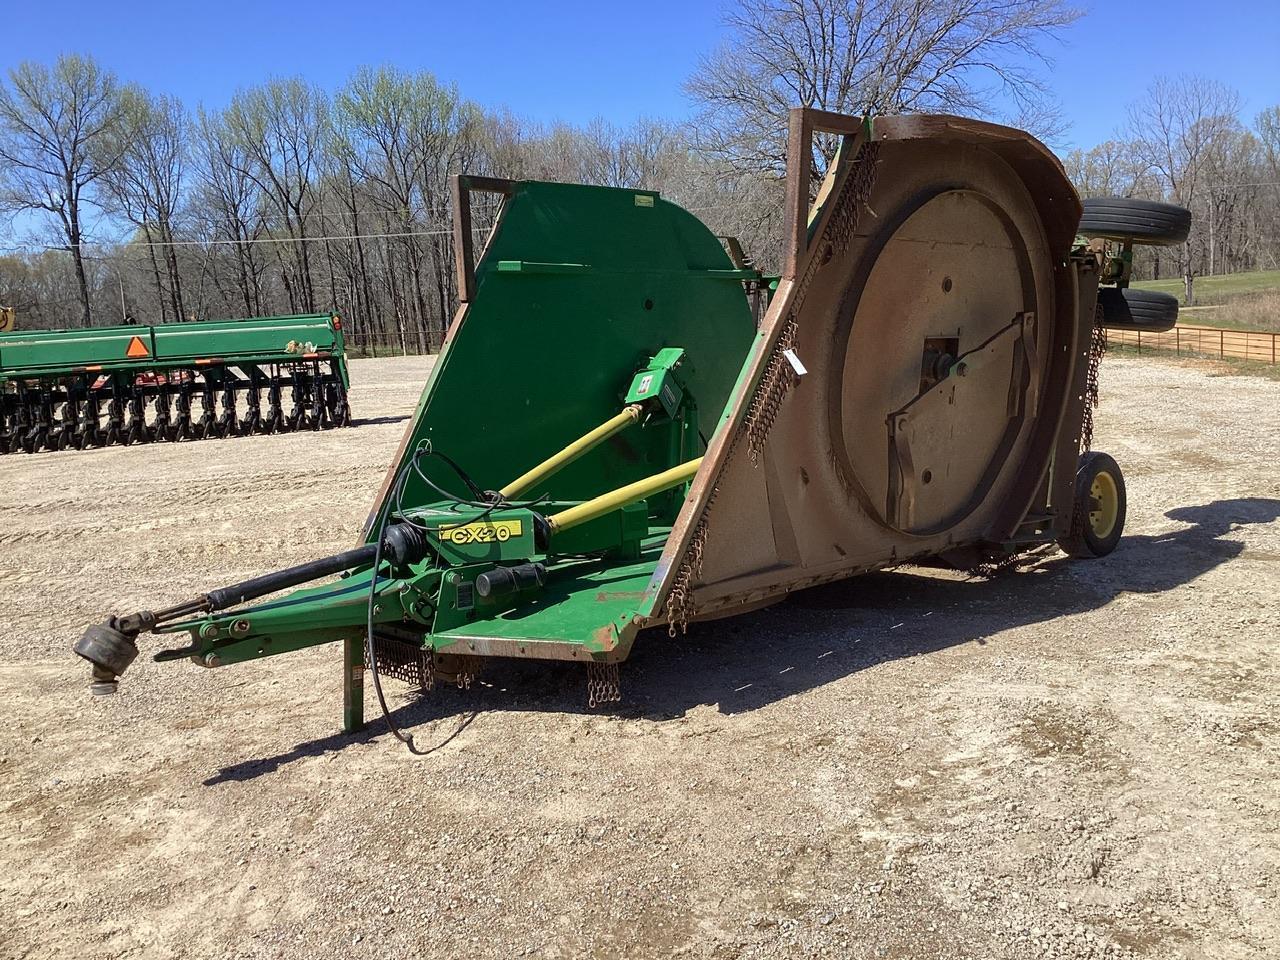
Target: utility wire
{"x": 223, "y": 241}
{"x": 36, "y": 247}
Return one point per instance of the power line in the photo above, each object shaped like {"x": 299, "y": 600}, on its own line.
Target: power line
{"x": 83, "y": 245}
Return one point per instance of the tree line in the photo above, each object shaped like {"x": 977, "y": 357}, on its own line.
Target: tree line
{"x": 127, "y": 202}
{"x": 1185, "y": 142}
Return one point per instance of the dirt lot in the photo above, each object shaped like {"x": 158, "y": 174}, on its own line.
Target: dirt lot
{"x": 1077, "y": 761}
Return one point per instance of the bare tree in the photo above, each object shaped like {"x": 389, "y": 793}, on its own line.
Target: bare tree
{"x": 385, "y": 121}
{"x": 1267, "y": 128}
{"x": 1176, "y": 129}
{"x": 1111, "y": 169}
{"x": 282, "y": 129}
{"x": 866, "y": 56}
{"x": 51, "y": 125}
{"x": 230, "y": 203}
{"x": 145, "y": 187}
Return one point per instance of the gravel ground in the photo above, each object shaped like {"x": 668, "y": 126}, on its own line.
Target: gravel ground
{"x": 1075, "y": 761}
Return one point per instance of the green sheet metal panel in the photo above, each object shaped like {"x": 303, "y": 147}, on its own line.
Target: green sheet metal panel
{"x": 244, "y": 339}
{"x": 263, "y": 339}
{"x": 34, "y": 350}
{"x": 542, "y": 356}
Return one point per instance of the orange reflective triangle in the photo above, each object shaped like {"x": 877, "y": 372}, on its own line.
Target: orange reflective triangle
{"x": 137, "y": 348}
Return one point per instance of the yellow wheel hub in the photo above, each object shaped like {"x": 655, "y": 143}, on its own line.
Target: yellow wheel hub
{"x": 1104, "y": 505}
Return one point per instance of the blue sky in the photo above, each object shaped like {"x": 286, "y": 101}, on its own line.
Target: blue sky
{"x": 574, "y": 61}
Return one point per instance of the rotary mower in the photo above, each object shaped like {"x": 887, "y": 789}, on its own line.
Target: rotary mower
{"x": 610, "y": 441}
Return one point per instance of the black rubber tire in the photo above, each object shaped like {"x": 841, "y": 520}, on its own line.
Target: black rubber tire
{"x": 1142, "y": 221}
{"x": 1146, "y": 310}
{"x": 1083, "y": 542}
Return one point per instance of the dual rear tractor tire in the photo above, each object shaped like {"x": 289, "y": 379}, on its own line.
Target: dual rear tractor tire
{"x": 1146, "y": 311}
{"x": 1146, "y": 222}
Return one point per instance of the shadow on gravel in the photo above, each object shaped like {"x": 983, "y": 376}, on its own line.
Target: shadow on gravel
{"x": 407, "y": 718}
{"x": 374, "y": 421}
{"x": 820, "y": 635}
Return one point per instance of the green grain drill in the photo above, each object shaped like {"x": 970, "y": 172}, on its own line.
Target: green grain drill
{"x": 179, "y": 381}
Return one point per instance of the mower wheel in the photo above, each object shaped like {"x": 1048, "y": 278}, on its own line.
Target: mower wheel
{"x": 1142, "y": 221}
{"x": 1099, "y": 508}
{"x": 1146, "y": 310}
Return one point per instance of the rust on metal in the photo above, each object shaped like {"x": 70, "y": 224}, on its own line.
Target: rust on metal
{"x": 967, "y": 243}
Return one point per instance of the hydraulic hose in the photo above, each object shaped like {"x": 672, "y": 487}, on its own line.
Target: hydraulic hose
{"x": 239, "y": 593}
{"x": 402, "y": 543}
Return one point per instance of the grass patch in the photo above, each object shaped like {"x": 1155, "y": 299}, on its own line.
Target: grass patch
{"x": 1219, "y": 289}
{"x": 1259, "y": 311}
{"x": 1235, "y": 301}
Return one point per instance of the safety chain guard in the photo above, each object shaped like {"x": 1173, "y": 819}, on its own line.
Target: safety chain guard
{"x": 603, "y": 684}
{"x": 778, "y": 377}
{"x": 406, "y": 662}
{"x": 1097, "y": 347}
{"x": 416, "y": 666}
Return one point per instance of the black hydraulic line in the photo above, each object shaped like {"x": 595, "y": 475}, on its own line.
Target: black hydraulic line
{"x": 370, "y": 651}
{"x": 400, "y": 543}
{"x": 239, "y": 593}
{"x": 110, "y": 646}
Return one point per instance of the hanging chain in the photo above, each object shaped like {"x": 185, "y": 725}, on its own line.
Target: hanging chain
{"x": 603, "y": 684}
{"x": 778, "y": 377}
{"x": 987, "y": 569}
{"x": 469, "y": 668}
{"x": 1097, "y": 347}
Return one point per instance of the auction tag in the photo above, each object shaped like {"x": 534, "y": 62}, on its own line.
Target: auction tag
{"x": 796, "y": 365}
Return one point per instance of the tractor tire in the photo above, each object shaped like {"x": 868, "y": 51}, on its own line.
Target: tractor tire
{"x": 1148, "y": 311}
{"x": 1142, "y": 221}
{"x": 1099, "y": 508}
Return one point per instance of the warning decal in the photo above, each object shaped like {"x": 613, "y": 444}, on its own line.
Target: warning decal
{"x": 137, "y": 348}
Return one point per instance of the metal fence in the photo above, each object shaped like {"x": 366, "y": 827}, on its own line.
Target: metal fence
{"x": 1257, "y": 346}
{"x": 380, "y": 345}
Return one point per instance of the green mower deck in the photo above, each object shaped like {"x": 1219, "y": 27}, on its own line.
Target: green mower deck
{"x": 608, "y": 442}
